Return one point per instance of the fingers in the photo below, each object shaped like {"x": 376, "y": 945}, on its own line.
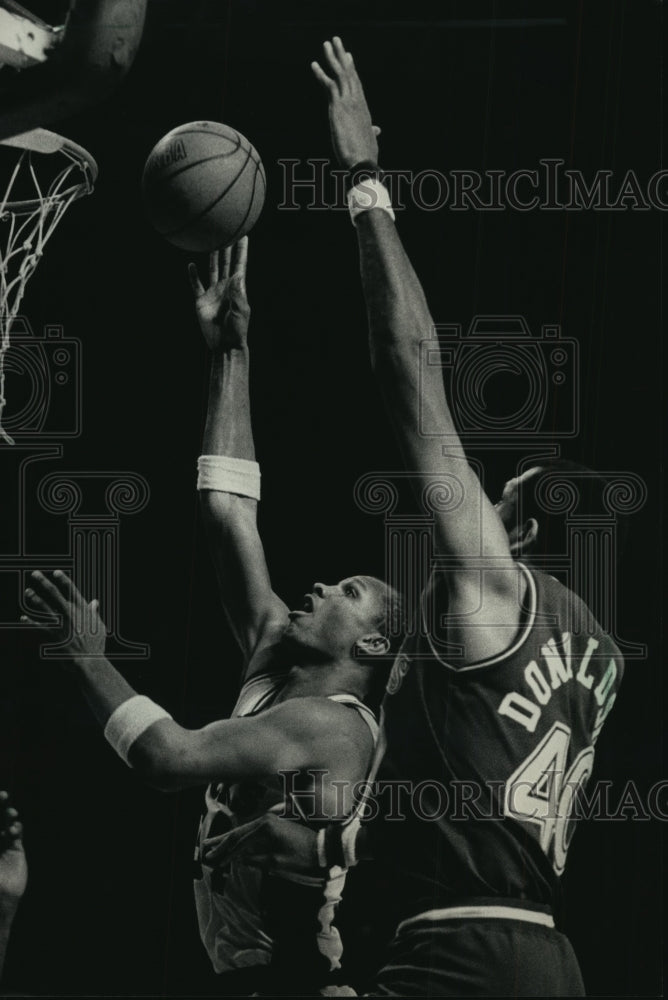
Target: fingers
{"x": 322, "y": 77}
{"x": 214, "y": 258}
{"x": 45, "y": 596}
{"x": 227, "y": 258}
{"x": 38, "y": 604}
{"x": 344, "y": 58}
{"x": 217, "y": 849}
{"x": 241, "y": 841}
{"x": 332, "y": 60}
{"x": 212, "y": 850}
{"x": 67, "y": 588}
{"x": 10, "y": 826}
{"x": 195, "y": 283}
{"x": 240, "y": 257}
{"x": 31, "y": 621}
{"x": 341, "y": 64}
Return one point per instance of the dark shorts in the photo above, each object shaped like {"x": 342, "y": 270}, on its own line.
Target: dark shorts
{"x": 265, "y": 981}
{"x": 479, "y": 957}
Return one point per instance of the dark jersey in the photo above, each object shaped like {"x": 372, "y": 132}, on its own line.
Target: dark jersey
{"x": 485, "y": 761}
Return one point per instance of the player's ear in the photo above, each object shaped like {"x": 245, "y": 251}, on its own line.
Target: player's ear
{"x": 373, "y": 644}
{"x": 523, "y": 536}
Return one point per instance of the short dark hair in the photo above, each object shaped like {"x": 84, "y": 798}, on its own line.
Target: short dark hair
{"x": 391, "y": 624}
{"x": 390, "y": 621}
{"x": 560, "y": 488}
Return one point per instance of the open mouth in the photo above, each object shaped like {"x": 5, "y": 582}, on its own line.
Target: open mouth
{"x": 306, "y": 608}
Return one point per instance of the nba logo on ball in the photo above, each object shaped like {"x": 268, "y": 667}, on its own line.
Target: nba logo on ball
{"x": 203, "y": 186}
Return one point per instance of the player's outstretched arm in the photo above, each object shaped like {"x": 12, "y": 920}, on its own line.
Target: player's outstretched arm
{"x": 469, "y": 532}
{"x": 294, "y": 735}
{"x": 13, "y": 870}
{"x": 254, "y": 611}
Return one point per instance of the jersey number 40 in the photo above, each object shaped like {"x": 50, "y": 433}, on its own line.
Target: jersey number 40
{"x": 543, "y": 793}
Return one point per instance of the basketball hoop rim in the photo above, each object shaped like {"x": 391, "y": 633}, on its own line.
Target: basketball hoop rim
{"x": 46, "y": 143}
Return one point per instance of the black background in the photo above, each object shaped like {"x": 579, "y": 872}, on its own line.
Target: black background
{"x": 109, "y": 907}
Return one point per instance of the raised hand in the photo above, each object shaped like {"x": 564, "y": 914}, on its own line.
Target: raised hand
{"x": 353, "y": 136}
{"x": 13, "y": 867}
{"x": 222, "y": 307}
{"x": 81, "y": 631}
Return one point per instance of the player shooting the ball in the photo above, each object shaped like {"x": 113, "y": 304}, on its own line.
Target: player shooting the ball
{"x": 509, "y": 699}
{"x": 305, "y": 675}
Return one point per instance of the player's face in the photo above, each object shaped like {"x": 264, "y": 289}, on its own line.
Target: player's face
{"x": 333, "y": 618}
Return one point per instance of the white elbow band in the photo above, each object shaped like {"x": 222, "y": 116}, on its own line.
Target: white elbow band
{"x": 228, "y": 475}
{"x": 129, "y": 721}
{"x": 368, "y": 194}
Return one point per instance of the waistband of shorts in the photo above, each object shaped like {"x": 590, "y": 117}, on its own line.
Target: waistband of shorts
{"x": 483, "y": 909}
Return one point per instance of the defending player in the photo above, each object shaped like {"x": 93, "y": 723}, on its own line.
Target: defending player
{"x": 507, "y": 701}
{"x": 300, "y": 707}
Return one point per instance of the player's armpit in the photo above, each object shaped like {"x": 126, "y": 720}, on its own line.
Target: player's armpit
{"x": 480, "y": 611}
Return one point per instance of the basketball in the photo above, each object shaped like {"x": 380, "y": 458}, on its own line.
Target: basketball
{"x": 203, "y": 186}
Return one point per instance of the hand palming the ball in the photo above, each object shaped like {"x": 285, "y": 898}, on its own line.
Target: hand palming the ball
{"x": 222, "y": 307}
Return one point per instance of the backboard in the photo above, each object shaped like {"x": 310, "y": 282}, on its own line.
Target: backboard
{"x": 52, "y": 69}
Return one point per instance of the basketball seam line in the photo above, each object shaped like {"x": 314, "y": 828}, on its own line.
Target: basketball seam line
{"x": 196, "y": 218}
{"x": 250, "y": 203}
{"x": 189, "y": 166}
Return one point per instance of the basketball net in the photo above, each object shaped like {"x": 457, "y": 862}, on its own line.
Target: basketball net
{"x": 29, "y": 214}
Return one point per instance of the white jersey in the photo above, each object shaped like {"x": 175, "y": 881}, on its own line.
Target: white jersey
{"x": 231, "y": 900}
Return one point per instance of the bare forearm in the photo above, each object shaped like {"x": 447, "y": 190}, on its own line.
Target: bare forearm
{"x": 396, "y": 305}
{"x": 231, "y": 519}
{"x": 154, "y": 753}
{"x": 228, "y": 421}
{"x": 399, "y": 321}
{"x": 104, "y": 688}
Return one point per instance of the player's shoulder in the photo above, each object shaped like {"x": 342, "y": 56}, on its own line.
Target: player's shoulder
{"x": 322, "y": 718}
{"x": 316, "y": 710}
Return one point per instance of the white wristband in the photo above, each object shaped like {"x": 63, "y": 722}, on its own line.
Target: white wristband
{"x": 132, "y": 718}
{"x": 229, "y": 475}
{"x": 368, "y": 194}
